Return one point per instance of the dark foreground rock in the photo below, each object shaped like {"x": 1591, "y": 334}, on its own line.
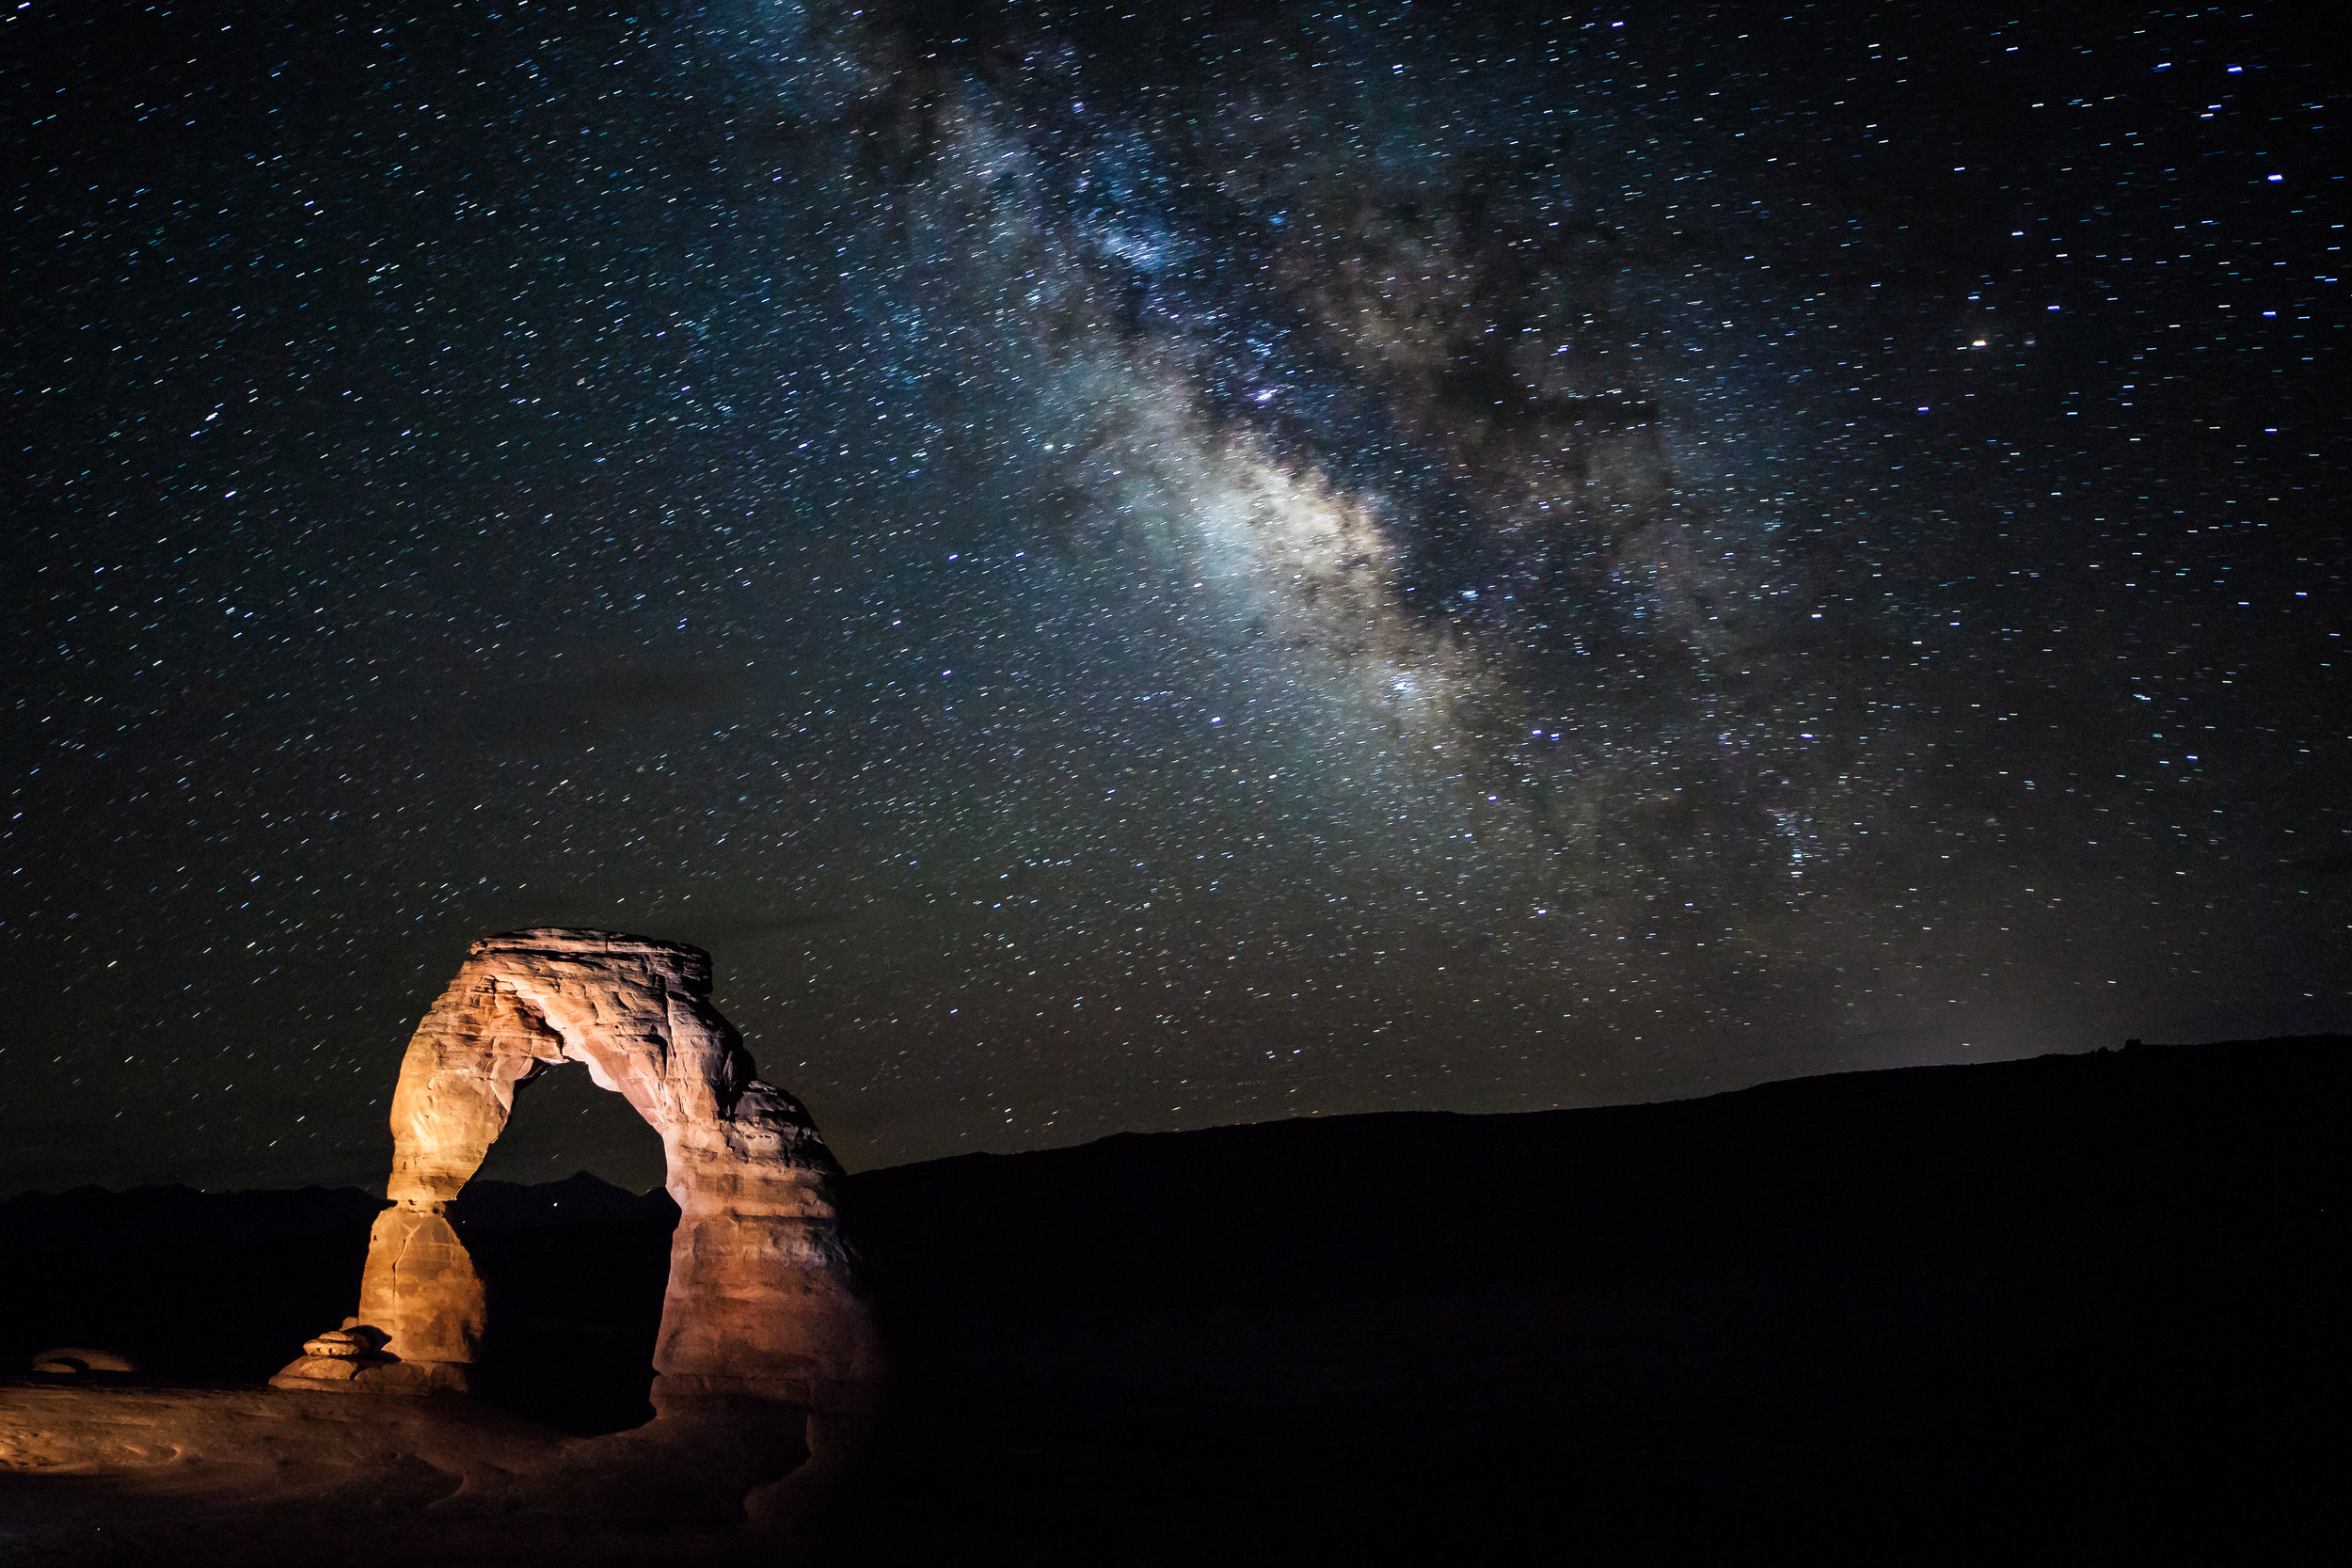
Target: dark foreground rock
{"x": 2082, "y": 1305}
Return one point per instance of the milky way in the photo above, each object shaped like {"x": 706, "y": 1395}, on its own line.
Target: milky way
{"x": 1140, "y": 567}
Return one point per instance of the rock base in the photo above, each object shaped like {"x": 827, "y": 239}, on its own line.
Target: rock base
{"x": 681, "y": 1393}
{"x": 374, "y": 1375}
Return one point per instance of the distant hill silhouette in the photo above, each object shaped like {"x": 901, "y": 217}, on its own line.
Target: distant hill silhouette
{"x": 2033, "y": 1307}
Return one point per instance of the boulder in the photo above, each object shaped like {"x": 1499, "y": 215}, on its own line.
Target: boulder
{"x": 81, "y": 1358}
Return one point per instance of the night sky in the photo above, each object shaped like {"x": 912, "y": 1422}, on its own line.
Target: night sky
{"x": 1127, "y": 567}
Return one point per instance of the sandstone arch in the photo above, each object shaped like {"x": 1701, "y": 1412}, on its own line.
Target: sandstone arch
{"x": 762, "y": 1301}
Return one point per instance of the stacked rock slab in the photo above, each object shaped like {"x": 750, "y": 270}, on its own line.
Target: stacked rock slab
{"x": 761, "y": 1303}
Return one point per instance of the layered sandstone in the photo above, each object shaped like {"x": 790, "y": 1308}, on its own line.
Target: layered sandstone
{"x": 761, "y": 1302}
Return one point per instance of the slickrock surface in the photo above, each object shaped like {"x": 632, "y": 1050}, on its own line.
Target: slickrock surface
{"x": 157, "y": 1473}
{"x": 761, "y": 1300}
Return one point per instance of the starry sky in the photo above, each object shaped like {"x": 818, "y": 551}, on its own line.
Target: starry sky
{"x": 1131, "y": 567}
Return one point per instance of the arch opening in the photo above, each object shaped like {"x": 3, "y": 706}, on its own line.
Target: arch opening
{"x": 569, "y": 1228}
{"x": 565, "y": 1129}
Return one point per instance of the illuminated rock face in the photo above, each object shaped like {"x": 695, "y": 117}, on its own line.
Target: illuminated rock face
{"x": 761, "y": 1301}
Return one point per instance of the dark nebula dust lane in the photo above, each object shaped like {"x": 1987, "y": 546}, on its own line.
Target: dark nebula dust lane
{"x": 1131, "y": 567}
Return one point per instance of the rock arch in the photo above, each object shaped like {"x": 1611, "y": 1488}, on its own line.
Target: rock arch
{"x": 762, "y": 1301}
